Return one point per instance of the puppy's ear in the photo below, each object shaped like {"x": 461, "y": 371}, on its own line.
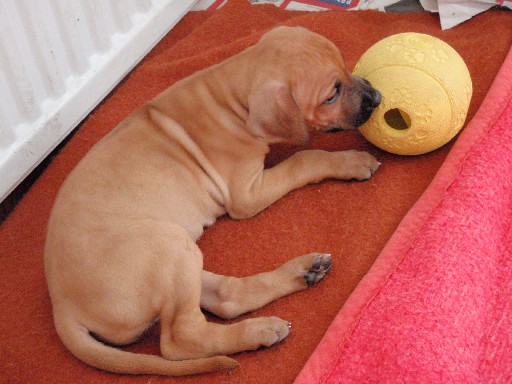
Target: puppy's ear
{"x": 274, "y": 115}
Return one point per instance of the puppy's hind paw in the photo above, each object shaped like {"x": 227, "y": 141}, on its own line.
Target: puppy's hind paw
{"x": 320, "y": 267}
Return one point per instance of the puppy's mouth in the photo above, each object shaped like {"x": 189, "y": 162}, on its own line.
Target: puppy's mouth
{"x": 333, "y": 129}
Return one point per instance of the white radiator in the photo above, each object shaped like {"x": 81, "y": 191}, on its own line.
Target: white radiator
{"x": 58, "y": 59}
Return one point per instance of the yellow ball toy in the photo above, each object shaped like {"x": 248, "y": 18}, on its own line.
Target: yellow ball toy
{"x": 426, "y": 89}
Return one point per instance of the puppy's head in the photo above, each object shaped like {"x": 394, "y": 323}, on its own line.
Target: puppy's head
{"x": 301, "y": 81}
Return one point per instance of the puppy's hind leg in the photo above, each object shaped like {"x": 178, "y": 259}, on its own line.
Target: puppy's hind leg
{"x": 185, "y": 332}
{"x": 229, "y": 297}
{"x": 189, "y": 336}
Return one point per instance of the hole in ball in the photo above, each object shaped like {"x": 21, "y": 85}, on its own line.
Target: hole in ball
{"x": 397, "y": 119}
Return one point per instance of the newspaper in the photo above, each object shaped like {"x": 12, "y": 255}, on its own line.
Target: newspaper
{"x": 454, "y": 12}
{"x": 307, "y": 5}
{"x": 451, "y": 12}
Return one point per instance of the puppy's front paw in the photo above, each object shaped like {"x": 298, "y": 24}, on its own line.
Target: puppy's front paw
{"x": 356, "y": 165}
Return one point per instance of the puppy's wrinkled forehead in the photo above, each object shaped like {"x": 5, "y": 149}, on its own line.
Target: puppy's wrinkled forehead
{"x": 301, "y": 45}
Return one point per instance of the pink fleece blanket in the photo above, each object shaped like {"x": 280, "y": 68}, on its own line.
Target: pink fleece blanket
{"x": 436, "y": 305}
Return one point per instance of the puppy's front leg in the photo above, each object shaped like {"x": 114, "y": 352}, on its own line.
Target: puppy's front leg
{"x": 302, "y": 168}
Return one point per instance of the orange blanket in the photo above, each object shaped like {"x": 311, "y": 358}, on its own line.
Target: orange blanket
{"x": 353, "y": 221}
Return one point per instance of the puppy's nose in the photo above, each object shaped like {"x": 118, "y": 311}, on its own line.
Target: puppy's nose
{"x": 377, "y": 98}
{"x": 371, "y": 99}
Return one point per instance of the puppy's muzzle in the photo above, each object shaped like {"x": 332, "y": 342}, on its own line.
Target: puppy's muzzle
{"x": 370, "y": 99}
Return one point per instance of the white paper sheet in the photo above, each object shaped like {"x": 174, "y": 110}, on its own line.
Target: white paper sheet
{"x": 451, "y": 12}
{"x": 454, "y": 12}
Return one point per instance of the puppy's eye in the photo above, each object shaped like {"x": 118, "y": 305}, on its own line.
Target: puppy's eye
{"x": 334, "y": 97}
{"x": 331, "y": 99}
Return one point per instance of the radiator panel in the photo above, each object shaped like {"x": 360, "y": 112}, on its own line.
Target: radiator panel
{"x": 58, "y": 60}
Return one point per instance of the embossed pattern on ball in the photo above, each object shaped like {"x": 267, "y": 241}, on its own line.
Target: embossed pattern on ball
{"x": 425, "y": 83}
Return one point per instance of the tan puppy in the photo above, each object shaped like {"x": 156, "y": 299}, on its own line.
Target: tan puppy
{"x": 121, "y": 252}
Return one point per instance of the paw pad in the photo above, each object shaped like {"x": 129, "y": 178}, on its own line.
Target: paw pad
{"x": 320, "y": 267}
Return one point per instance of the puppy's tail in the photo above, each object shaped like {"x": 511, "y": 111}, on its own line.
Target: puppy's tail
{"x": 79, "y": 341}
